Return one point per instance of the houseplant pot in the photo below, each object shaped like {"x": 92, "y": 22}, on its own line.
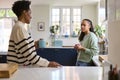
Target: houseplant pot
{"x": 54, "y": 30}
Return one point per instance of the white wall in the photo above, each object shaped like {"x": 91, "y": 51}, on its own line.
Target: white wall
{"x": 90, "y": 12}
{"x": 113, "y": 32}
{"x": 40, "y": 13}
{"x": 114, "y": 42}
{"x": 6, "y": 3}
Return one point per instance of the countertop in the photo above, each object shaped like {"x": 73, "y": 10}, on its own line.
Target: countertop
{"x": 61, "y": 73}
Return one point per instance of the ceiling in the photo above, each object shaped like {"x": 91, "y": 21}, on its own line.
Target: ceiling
{"x": 51, "y": 2}
{"x": 64, "y": 2}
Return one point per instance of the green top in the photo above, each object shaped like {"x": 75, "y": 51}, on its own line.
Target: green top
{"x": 90, "y": 43}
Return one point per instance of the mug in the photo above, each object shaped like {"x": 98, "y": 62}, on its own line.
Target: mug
{"x": 42, "y": 43}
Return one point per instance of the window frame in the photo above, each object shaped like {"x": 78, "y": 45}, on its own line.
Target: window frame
{"x": 71, "y": 17}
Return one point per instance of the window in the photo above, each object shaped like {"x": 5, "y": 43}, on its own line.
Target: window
{"x": 68, "y": 18}
{"x": 6, "y": 13}
{"x": 103, "y": 16}
{"x": 76, "y": 20}
{"x": 55, "y": 16}
{"x": 2, "y": 13}
{"x": 65, "y": 28}
{"x": 9, "y": 13}
{"x": 6, "y": 22}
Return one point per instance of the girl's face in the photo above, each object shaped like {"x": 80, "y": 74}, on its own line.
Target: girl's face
{"x": 85, "y": 26}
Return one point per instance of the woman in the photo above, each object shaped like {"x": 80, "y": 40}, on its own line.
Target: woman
{"x": 21, "y": 45}
{"x": 88, "y": 46}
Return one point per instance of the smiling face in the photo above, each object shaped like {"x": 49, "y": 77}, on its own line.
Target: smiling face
{"x": 85, "y": 26}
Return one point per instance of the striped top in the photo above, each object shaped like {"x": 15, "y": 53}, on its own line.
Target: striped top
{"x": 21, "y": 48}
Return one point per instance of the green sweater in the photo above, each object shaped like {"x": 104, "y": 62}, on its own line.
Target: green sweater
{"x": 90, "y": 43}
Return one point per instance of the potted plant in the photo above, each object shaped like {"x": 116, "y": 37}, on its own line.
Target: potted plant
{"x": 55, "y": 29}
{"x": 99, "y": 30}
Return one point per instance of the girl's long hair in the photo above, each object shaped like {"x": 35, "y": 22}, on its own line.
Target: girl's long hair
{"x": 82, "y": 34}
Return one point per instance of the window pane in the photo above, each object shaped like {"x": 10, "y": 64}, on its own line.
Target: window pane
{"x": 102, "y": 15}
{"x": 5, "y": 29}
{"x": 55, "y": 16}
{"x": 66, "y": 11}
{"x": 55, "y": 12}
{"x": 9, "y": 13}
{"x": 65, "y": 21}
{"x": 76, "y": 11}
{"x": 76, "y": 20}
{"x": 2, "y": 13}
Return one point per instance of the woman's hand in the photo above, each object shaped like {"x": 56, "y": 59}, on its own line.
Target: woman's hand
{"x": 79, "y": 47}
{"x": 36, "y": 44}
{"x": 54, "y": 64}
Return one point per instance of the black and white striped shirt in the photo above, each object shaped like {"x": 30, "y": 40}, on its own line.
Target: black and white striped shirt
{"x": 21, "y": 48}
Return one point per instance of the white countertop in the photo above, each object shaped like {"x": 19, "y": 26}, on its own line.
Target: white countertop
{"x": 96, "y": 61}
{"x": 61, "y": 73}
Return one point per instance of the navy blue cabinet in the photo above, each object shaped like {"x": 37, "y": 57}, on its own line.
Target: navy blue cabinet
{"x": 64, "y": 56}
{"x": 3, "y": 59}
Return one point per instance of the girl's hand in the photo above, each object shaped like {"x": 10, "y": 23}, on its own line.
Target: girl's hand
{"x": 77, "y": 46}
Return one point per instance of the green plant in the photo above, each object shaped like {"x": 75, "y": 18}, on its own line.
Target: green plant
{"x": 99, "y": 30}
{"x": 55, "y": 29}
